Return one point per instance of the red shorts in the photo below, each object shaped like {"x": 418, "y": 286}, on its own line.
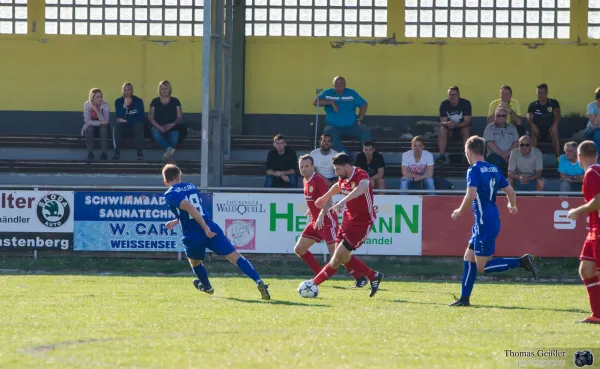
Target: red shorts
{"x": 591, "y": 251}
{"x": 327, "y": 233}
{"x": 354, "y": 235}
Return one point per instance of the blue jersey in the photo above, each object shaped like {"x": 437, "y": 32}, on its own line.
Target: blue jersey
{"x": 487, "y": 179}
{"x": 189, "y": 226}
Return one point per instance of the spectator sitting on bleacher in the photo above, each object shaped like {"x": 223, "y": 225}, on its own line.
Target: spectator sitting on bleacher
{"x": 525, "y": 167}
{"x": 323, "y": 159}
{"x": 592, "y": 131}
{"x": 282, "y": 165}
{"x": 455, "y": 118}
{"x": 501, "y": 138}
{"x": 165, "y": 115}
{"x": 372, "y": 162}
{"x": 571, "y": 172}
{"x": 417, "y": 167}
{"x": 96, "y": 113}
{"x": 543, "y": 116}
{"x": 130, "y": 117}
{"x": 512, "y": 108}
{"x": 340, "y": 105}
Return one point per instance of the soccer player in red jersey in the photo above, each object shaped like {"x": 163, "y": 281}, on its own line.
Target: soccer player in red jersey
{"x": 323, "y": 222}
{"x": 359, "y": 215}
{"x": 590, "y": 254}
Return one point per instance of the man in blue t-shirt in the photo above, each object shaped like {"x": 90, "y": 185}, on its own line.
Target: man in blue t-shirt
{"x": 340, "y": 105}
{"x": 483, "y": 182}
{"x": 571, "y": 173}
{"x": 200, "y": 232}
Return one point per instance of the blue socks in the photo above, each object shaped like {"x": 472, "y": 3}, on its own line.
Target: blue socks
{"x": 468, "y": 279}
{"x": 202, "y": 275}
{"x": 248, "y": 269}
{"x": 501, "y": 265}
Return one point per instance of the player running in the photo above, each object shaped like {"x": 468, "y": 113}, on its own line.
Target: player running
{"x": 356, "y": 223}
{"x": 323, "y": 223}
{"x": 483, "y": 182}
{"x": 590, "y": 253}
{"x": 200, "y": 232}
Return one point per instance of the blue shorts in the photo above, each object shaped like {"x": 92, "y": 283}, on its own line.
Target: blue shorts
{"x": 195, "y": 248}
{"x": 483, "y": 239}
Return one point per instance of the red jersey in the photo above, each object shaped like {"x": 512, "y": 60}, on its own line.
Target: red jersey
{"x": 314, "y": 188}
{"x": 590, "y": 188}
{"x": 359, "y": 210}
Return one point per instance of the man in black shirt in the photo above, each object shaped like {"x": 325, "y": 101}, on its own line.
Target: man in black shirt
{"x": 455, "y": 118}
{"x": 543, "y": 116}
{"x": 372, "y": 162}
{"x": 282, "y": 164}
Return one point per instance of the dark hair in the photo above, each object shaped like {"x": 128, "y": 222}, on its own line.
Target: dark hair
{"x": 326, "y": 135}
{"x": 455, "y": 88}
{"x": 307, "y": 157}
{"x": 369, "y": 144}
{"x": 587, "y": 149}
{"x": 506, "y": 87}
{"x": 171, "y": 172}
{"x": 542, "y": 86}
{"x": 278, "y": 137}
{"x": 476, "y": 145}
{"x": 342, "y": 159}
{"x": 418, "y": 138}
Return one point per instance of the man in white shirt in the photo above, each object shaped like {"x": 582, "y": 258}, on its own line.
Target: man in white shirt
{"x": 323, "y": 159}
{"x": 417, "y": 167}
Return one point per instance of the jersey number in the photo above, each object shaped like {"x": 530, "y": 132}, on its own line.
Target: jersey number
{"x": 492, "y": 186}
{"x": 195, "y": 200}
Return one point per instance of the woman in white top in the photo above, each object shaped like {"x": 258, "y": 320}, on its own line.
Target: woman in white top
{"x": 417, "y": 167}
{"x": 95, "y": 119}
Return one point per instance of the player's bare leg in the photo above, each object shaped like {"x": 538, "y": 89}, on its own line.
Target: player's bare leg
{"x": 359, "y": 280}
{"x": 301, "y": 249}
{"x": 589, "y": 276}
{"x": 248, "y": 269}
{"x": 202, "y": 283}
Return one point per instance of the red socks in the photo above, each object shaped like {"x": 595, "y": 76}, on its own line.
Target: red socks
{"x": 312, "y": 263}
{"x": 593, "y": 288}
{"x": 361, "y": 268}
{"x": 325, "y": 273}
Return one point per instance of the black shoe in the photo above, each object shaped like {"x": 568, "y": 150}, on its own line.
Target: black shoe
{"x": 91, "y": 156}
{"x": 442, "y": 160}
{"x": 461, "y": 302}
{"x": 526, "y": 262}
{"x": 264, "y": 290}
{"x": 116, "y": 156}
{"x": 200, "y": 287}
{"x": 103, "y": 156}
{"x": 360, "y": 282}
{"x": 140, "y": 156}
{"x": 375, "y": 283}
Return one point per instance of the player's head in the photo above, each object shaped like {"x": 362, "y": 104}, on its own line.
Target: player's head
{"x": 342, "y": 164}
{"x": 306, "y": 164}
{"x": 417, "y": 144}
{"x": 453, "y": 94}
{"x": 571, "y": 150}
{"x": 474, "y": 149}
{"x": 505, "y": 93}
{"x": 171, "y": 175}
{"x": 587, "y": 153}
{"x": 525, "y": 145}
{"x": 369, "y": 149}
{"x": 326, "y": 142}
{"x": 279, "y": 143}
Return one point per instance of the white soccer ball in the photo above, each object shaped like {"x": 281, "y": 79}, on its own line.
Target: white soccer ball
{"x": 308, "y": 289}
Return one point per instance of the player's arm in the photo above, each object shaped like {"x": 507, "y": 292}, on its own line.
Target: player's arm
{"x": 191, "y": 210}
{"x": 591, "y": 206}
{"x": 362, "y": 187}
{"x": 511, "y": 196}
{"x": 467, "y": 201}
{"x": 334, "y": 190}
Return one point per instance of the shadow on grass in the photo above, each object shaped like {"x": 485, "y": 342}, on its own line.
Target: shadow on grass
{"x": 496, "y": 307}
{"x": 274, "y": 302}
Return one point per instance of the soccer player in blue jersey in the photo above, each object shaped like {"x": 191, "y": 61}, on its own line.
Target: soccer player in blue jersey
{"x": 200, "y": 232}
{"x": 483, "y": 182}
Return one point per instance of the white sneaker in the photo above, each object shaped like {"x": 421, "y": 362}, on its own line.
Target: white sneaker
{"x": 168, "y": 153}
